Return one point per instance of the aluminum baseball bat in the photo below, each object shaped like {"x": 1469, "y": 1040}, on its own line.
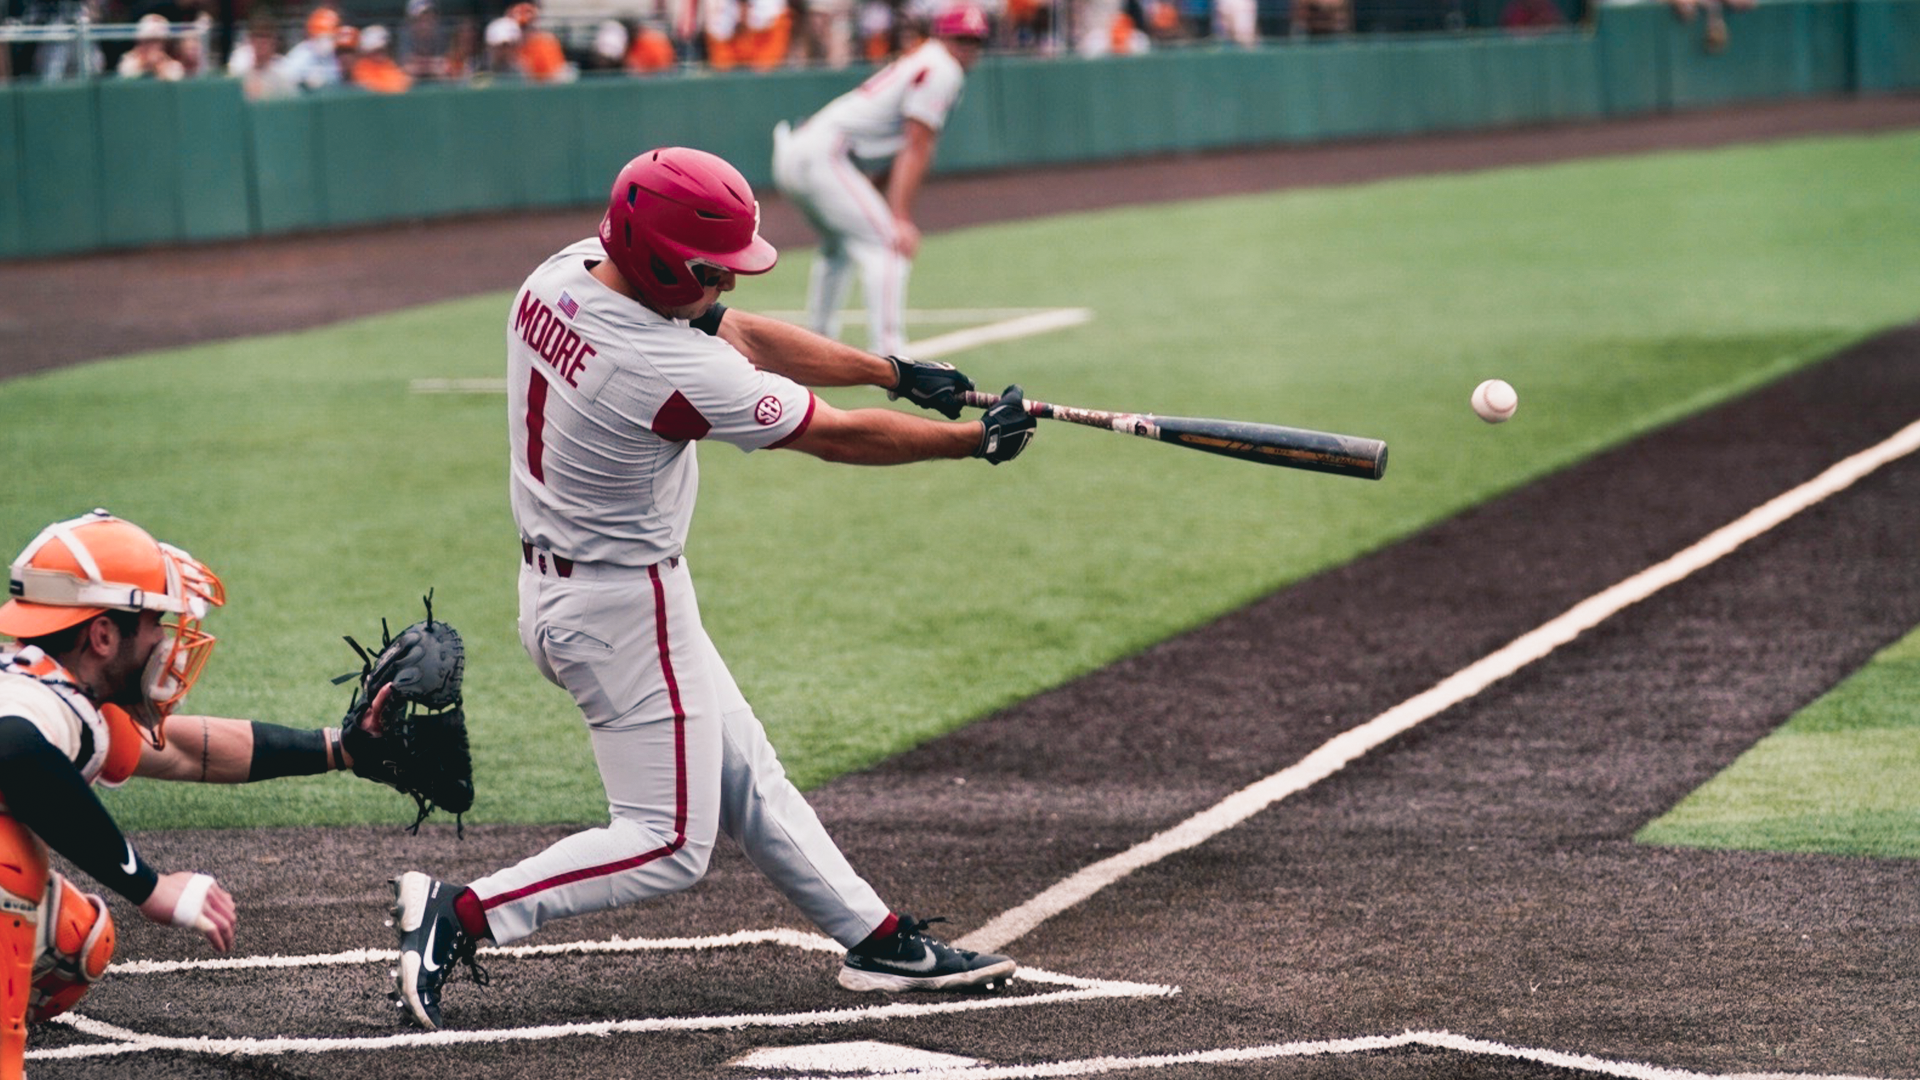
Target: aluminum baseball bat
{"x": 1268, "y": 444}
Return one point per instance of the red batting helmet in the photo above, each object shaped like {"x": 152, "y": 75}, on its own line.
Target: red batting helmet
{"x": 676, "y": 208}
{"x": 961, "y": 21}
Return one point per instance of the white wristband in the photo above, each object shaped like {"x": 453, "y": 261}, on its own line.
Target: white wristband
{"x": 193, "y": 900}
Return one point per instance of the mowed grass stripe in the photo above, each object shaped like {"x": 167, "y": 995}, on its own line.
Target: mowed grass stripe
{"x": 866, "y": 610}
{"x": 1840, "y": 778}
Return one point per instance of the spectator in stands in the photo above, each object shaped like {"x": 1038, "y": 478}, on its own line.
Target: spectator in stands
{"x": 1531, "y": 16}
{"x": 1715, "y": 36}
{"x": 255, "y": 61}
{"x": 720, "y": 22}
{"x": 503, "y": 48}
{"x": 55, "y": 60}
{"x": 425, "y": 48}
{"x": 881, "y": 30}
{"x": 1029, "y": 24}
{"x": 540, "y": 57}
{"x": 149, "y": 58}
{"x": 765, "y": 35}
{"x": 609, "y": 51}
{"x": 650, "y": 51}
{"x": 375, "y": 68}
{"x": 191, "y": 22}
{"x": 314, "y": 62}
{"x": 1321, "y": 18}
{"x": 824, "y": 33}
{"x": 1161, "y": 19}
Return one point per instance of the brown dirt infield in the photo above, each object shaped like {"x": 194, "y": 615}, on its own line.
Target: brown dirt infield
{"x": 1475, "y": 876}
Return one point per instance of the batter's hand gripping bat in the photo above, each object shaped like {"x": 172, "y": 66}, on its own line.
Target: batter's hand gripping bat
{"x": 1268, "y": 444}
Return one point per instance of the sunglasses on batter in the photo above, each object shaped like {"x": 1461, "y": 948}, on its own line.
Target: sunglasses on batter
{"x": 708, "y": 275}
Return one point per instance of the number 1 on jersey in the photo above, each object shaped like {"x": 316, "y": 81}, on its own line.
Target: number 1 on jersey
{"x": 536, "y": 425}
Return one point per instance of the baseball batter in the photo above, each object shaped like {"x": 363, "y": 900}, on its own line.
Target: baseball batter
{"x": 620, "y": 361}
{"x": 109, "y": 642}
{"x": 895, "y": 116}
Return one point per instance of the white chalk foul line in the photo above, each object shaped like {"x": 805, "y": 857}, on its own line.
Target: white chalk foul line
{"x": 1441, "y": 1040}
{"x": 1010, "y": 324}
{"x": 126, "y": 1041}
{"x": 919, "y": 315}
{"x": 1344, "y": 748}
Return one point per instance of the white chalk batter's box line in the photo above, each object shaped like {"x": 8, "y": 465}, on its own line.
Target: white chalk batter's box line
{"x": 1436, "y": 1040}
{"x": 125, "y": 1041}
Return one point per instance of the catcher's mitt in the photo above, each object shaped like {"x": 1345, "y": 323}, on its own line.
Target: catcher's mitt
{"x": 419, "y": 742}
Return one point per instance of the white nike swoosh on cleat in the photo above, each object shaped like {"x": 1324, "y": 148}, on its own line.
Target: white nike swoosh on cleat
{"x": 926, "y": 962}
{"x": 426, "y": 951}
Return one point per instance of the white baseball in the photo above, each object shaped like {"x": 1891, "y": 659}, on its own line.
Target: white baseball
{"x": 1495, "y": 401}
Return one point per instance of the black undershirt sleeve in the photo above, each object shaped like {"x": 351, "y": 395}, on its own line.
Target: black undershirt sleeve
{"x": 46, "y": 793}
{"x": 709, "y": 323}
{"x": 283, "y": 751}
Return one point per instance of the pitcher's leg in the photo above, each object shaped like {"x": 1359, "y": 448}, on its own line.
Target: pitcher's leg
{"x": 828, "y": 282}
{"x": 883, "y": 277}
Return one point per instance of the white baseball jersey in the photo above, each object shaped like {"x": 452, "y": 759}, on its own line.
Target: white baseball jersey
{"x": 870, "y": 120}
{"x": 606, "y": 400}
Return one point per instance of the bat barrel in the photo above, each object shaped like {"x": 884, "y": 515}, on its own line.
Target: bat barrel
{"x": 1268, "y": 444}
{"x": 1272, "y": 444}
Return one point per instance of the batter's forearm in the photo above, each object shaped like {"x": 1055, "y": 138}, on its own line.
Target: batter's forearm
{"x": 802, "y": 355}
{"x": 888, "y": 437}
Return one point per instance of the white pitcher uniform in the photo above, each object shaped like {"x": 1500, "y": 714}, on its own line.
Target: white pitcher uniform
{"x": 607, "y": 400}
{"x": 814, "y": 165}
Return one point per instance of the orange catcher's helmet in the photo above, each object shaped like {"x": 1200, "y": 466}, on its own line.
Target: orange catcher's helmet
{"x": 675, "y": 209}
{"x": 77, "y": 569}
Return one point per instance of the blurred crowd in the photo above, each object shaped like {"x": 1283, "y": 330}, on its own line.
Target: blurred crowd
{"x": 390, "y": 46}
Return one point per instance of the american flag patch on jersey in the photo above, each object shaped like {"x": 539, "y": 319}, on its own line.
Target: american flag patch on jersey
{"x": 569, "y": 305}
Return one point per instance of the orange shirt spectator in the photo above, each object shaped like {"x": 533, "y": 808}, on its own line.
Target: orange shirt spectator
{"x": 376, "y": 69}
{"x": 541, "y": 58}
{"x": 650, "y": 52}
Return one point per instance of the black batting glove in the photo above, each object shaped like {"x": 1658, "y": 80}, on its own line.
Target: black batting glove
{"x": 929, "y": 384}
{"x": 1008, "y": 428}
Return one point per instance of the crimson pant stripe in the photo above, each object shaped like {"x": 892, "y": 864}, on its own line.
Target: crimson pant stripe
{"x": 680, "y": 776}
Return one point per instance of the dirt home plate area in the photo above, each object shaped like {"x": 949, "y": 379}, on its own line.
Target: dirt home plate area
{"x": 1190, "y": 893}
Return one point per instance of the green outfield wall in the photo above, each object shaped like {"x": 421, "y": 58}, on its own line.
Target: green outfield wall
{"x": 100, "y": 165}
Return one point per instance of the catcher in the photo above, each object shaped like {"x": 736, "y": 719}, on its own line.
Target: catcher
{"x": 107, "y": 621}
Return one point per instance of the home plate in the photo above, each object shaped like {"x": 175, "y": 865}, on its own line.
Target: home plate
{"x": 849, "y": 1057}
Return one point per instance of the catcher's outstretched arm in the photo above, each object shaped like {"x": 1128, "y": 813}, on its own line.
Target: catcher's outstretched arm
{"x": 222, "y": 750}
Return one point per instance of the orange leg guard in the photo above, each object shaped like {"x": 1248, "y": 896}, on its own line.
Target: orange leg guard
{"x": 76, "y": 945}
{"x": 23, "y": 886}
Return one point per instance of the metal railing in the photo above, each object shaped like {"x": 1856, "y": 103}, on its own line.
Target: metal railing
{"x": 75, "y": 47}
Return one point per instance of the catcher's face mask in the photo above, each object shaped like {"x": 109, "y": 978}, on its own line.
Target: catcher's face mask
{"x": 77, "y": 569}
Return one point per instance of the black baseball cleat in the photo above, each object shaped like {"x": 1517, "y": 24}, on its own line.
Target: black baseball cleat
{"x": 432, "y": 941}
{"x": 910, "y": 960}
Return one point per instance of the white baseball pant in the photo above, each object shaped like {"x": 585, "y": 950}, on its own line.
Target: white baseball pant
{"x": 814, "y": 170}
{"x": 681, "y": 755}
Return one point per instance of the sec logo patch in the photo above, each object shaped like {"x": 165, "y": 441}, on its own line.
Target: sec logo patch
{"x": 767, "y": 412}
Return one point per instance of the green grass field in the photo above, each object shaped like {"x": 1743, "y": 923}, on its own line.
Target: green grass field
{"x": 866, "y": 610}
{"x": 1840, "y": 778}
